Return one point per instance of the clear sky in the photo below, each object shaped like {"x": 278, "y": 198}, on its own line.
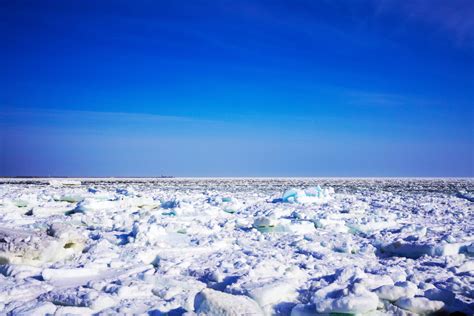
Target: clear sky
{"x": 237, "y": 88}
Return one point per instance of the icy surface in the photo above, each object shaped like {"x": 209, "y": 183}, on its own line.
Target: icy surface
{"x": 236, "y": 246}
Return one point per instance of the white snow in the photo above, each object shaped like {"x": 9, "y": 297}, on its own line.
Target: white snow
{"x": 347, "y": 294}
{"x": 419, "y": 305}
{"x": 399, "y": 290}
{"x": 215, "y": 303}
{"x": 236, "y": 246}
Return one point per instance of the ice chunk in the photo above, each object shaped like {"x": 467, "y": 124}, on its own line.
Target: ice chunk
{"x": 229, "y": 204}
{"x": 335, "y": 224}
{"x": 73, "y": 310}
{"x": 419, "y": 305}
{"x": 374, "y": 281}
{"x": 265, "y": 223}
{"x": 94, "y": 205}
{"x": 80, "y": 297}
{"x": 308, "y": 196}
{"x": 20, "y": 203}
{"x": 296, "y": 227}
{"x": 319, "y": 192}
{"x": 291, "y": 195}
{"x": 273, "y": 292}
{"x": 178, "y": 289}
{"x": 170, "y": 204}
{"x": 142, "y": 202}
{"x": 19, "y": 271}
{"x": 314, "y": 191}
{"x": 134, "y": 290}
{"x": 215, "y": 303}
{"x": 92, "y": 190}
{"x": 57, "y": 275}
{"x": 467, "y": 266}
{"x": 35, "y": 248}
{"x": 415, "y": 250}
{"x": 370, "y": 224}
{"x": 126, "y": 192}
{"x": 436, "y": 294}
{"x": 69, "y": 198}
{"x": 470, "y": 248}
{"x": 394, "y": 292}
{"x": 232, "y": 206}
{"x": 21, "y": 291}
{"x": 346, "y": 294}
{"x": 271, "y": 283}
{"x": 355, "y": 299}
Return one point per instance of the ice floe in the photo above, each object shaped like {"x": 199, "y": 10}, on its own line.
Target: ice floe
{"x": 236, "y": 246}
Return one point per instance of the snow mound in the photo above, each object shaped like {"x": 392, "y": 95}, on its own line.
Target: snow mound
{"x": 394, "y": 292}
{"x": 346, "y": 294}
{"x": 354, "y": 299}
{"x": 419, "y": 305}
{"x": 214, "y": 303}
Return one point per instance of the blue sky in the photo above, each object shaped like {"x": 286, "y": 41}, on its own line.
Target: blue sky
{"x": 237, "y": 88}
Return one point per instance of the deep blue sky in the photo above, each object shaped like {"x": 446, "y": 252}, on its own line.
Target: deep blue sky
{"x": 237, "y": 88}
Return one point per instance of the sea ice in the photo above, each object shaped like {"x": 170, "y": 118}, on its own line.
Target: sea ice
{"x": 228, "y": 247}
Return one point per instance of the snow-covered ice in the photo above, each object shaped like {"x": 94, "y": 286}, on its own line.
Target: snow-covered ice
{"x": 236, "y": 246}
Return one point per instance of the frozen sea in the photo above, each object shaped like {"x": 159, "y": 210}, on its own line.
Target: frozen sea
{"x": 236, "y": 246}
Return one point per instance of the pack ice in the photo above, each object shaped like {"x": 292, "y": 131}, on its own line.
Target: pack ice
{"x": 236, "y": 246}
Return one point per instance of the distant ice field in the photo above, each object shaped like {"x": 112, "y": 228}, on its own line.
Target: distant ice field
{"x": 283, "y": 246}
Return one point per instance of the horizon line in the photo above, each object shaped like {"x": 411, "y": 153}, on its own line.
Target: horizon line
{"x": 231, "y": 177}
